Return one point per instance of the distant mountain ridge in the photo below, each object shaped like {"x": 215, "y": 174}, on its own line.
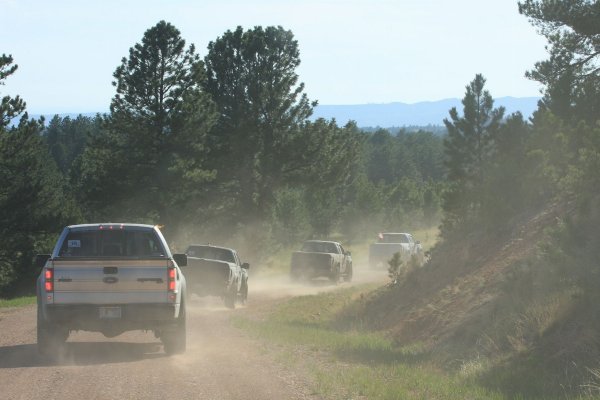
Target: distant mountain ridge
{"x": 425, "y": 113}
{"x": 387, "y": 115}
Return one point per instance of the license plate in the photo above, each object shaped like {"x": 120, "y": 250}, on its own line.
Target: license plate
{"x": 110, "y": 312}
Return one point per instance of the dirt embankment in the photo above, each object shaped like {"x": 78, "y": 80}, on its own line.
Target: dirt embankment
{"x": 460, "y": 287}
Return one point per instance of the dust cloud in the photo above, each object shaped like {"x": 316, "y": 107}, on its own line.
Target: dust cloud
{"x": 280, "y": 286}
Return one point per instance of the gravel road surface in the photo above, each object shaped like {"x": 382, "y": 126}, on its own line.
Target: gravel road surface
{"x": 221, "y": 362}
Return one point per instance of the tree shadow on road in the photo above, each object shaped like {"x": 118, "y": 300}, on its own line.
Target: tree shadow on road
{"x": 78, "y": 353}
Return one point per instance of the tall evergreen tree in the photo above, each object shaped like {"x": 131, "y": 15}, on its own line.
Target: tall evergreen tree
{"x": 468, "y": 150}
{"x": 509, "y": 188}
{"x": 67, "y": 138}
{"x": 566, "y": 133}
{"x": 10, "y": 107}
{"x": 572, "y": 73}
{"x": 252, "y": 78}
{"x": 149, "y": 162}
{"x": 33, "y": 206}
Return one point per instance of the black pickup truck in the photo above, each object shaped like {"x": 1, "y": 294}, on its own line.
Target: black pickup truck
{"x": 319, "y": 258}
{"x": 217, "y": 271}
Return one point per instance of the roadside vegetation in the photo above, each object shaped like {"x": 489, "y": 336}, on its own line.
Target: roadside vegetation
{"x": 17, "y": 301}
{"x": 213, "y": 152}
{"x": 223, "y": 155}
{"x": 331, "y": 336}
{"x": 346, "y": 359}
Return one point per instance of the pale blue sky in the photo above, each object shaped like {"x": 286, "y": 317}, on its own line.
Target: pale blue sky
{"x": 352, "y": 52}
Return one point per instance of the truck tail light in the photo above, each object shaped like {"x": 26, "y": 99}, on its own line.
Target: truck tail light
{"x": 171, "y": 276}
{"x": 49, "y": 279}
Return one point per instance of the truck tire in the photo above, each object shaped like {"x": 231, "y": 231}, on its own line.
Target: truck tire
{"x": 295, "y": 276}
{"x": 335, "y": 274}
{"x": 244, "y": 293}
{"x": 175, "y": 341}
{"x": 231, "y": 296}
{"x": 421, "y": 258}
{"x": 50, "y": 338}
{"x": 348, "y": 275}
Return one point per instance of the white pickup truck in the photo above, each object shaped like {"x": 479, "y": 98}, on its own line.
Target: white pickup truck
{"x": 111, "y": 278}
{"x": 388, "y": 244}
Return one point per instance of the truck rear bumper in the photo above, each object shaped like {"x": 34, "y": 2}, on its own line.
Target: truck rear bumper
{"x": 215, "y": 289}
{"x": 313, "y": 271}
{"x": 132, "y": 316}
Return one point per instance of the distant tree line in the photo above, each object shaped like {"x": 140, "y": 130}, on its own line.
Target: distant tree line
{"x": 223, "y": 149}
{"x": 220, "y": 149}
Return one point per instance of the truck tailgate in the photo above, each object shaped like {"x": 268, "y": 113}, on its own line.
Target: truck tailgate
{"x": 307, "y": 260}
{"x": 207, "y": 272}
{"x": 106, "y": 281}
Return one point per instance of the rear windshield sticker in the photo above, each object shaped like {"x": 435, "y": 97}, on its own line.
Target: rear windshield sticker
{"x": 74, "y": 243}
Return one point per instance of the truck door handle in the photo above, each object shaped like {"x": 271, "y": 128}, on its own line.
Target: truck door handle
{"x": 110, "y": 279}
{"x": 157, "y": 280}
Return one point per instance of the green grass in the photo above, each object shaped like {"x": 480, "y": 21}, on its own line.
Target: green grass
{"x": 329, "y": 336}
{"x": 396, "y": 381}
{"x": 352, "y": 361}
{"x": 324, "y": 335}
{"x": 17, "y": 302}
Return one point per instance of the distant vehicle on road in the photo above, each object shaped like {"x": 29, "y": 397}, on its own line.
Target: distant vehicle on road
{"x": 217, "y": 271}
{"x": 111, "y": 278}
{"x": 318, "y": 258}
{"x": 388, "y": 244}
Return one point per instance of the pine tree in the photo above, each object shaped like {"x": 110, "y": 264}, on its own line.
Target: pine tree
{"x": 10, "y": 107}
{"x": 468, "y": 149}
{"x": 33, "y": 206}
{"x": 252, "y": 77}
{"x": 149, "y": 164}
{"x": 572, "y": 73}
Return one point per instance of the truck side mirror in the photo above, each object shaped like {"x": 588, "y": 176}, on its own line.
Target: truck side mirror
{"x": 246, "y": 266}
{"x": 180, "y": 259}
{"x": 40, "y": 260}
{"x": 348, "y": 253}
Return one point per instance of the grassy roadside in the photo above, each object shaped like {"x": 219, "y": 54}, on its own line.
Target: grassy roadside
{"x": 17, "y": 302}
{"x": 348, "y": 361}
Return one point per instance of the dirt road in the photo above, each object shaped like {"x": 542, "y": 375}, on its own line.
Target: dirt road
{"x": 221, "y": 362}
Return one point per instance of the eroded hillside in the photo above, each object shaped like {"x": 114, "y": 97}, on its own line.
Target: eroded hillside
{"x": 489, "y": 307}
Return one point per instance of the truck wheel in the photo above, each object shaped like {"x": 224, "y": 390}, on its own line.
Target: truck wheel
{"x": 231, "y": 296}
{"x": 50, "y": 338}
{"x": 348, "y": 276}
{"x": 244, "y": 293}
{"x": 335, "y": 275}
{"x": 175, "y": 341}
{"x": 295, "y": 276}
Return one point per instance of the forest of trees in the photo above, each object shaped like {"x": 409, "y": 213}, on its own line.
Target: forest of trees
{"x": 224, "y": 148}
{"x": 220, "y": 148}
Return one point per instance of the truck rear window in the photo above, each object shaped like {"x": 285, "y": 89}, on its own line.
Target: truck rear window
{"x": 118, "y": 243}
{"x": 393, "y": 238}
{"x": 320, "y": 247}
{"x": 211, "y": 253}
